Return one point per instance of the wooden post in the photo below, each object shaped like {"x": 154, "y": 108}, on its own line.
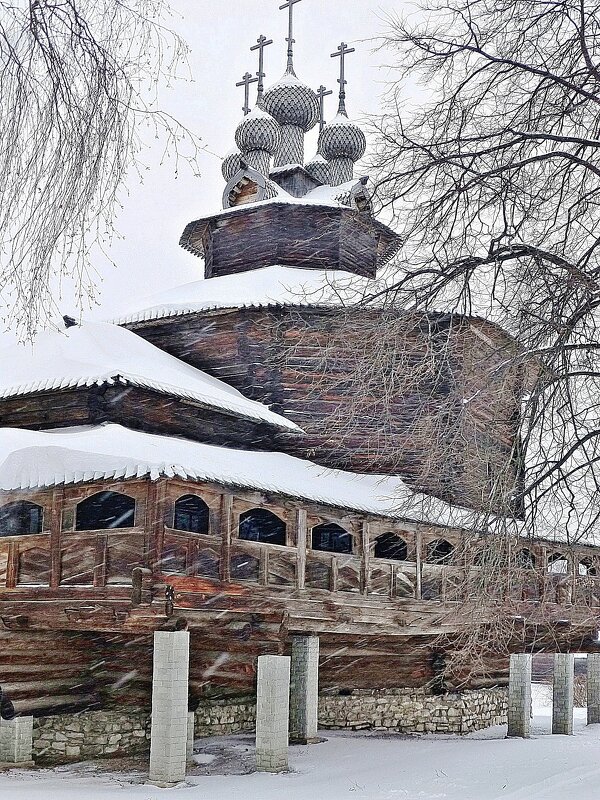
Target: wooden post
{"x": 419, "y": 564}
{"x": 100, "y": 556}
{"x": 366, "y": 558}
{"x": 301, "y": 536}
{"x": 226, "y": 533}
{"x": 58, "y": 500}
{"x": 12, "y": 567}
{"x": 155, "y": 524}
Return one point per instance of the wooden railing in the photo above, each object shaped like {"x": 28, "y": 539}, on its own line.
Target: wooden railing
{"x": 82, "y": 558}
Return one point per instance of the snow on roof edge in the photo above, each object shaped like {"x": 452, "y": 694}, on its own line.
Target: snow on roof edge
{"x": 263, "y": 415}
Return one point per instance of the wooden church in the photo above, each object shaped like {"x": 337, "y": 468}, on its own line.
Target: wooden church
{"x": 187, "y": 466}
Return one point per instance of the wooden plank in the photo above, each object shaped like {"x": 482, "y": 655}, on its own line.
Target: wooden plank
{"x": 226, "y": 532}
{"x": 58, "y": 496}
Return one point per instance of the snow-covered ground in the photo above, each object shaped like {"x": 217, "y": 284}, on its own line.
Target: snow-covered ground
{"x": 359, "y": 766}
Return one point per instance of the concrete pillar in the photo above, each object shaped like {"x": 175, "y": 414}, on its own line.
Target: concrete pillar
{"x": 562, "y": 694}
{"x": 16, "y": 740}
{"x": 169, "y": 734}
{"x": 191, "y": 730}
{"x": 272, "y": 713}
{"x": 519, "y": 695}
{"x": 593, "y": 688}
{"x": 304, "y": 689}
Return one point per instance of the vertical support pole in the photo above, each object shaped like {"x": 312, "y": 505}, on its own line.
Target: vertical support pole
{"x": 301, "y": 536}
{"x": 168, "y": 740}
{"x": 419, "y": 564}
{"x": 55, "y": 536}
{"x": 304, "y": 689}
{"x": 16, "y": 740}
{"x": 593, "y": 688}
{"x": 519, "y": 695}
{"x": 272, "y": 713}
{"x": 366, "y": 558}
{"x": 191, "y": 730}
{"x": 562, "y": 694}
{"x": 226, "y": 534}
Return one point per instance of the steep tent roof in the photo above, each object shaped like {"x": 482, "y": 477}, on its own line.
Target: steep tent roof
{"x": 40, "y": 459}
{"x": 100, "y": 353}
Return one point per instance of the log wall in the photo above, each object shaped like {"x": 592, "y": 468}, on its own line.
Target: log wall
{"x": 76, "y": 628}
{"x": 445, "y": 417}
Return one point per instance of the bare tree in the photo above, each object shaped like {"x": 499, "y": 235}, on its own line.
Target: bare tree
{"x": 78, "y": 82}
{"x": 492, "y": 176}
{"x": 495, "y": 179}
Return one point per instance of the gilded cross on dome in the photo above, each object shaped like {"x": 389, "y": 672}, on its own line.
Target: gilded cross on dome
{"x": 290, "y": 39}
{"x": 341, "y": 53}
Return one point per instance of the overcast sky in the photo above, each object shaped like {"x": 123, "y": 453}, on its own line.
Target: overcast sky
{"x": 220, "y": 34}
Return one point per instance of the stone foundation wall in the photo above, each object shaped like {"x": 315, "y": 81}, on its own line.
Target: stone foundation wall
{"x": 414, "y": 711}
{"x": 404, "y": 710}
{"x": 91, "y": 734}
{"x": 113, "y": 733}
{"x": 223, "y": 717}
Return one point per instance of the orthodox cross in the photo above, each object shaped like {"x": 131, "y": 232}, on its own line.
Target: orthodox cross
{"x": 322, "y": 93}
{"x": 245, "y": 82}
{"x": 342, "y": 51}
{"x": 262, "y": 42}
{"x": 290, "y": 40}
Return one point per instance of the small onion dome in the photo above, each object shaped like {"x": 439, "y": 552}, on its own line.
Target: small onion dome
{"x": 258, "y": 131}
{"x": 231, "y": 164}
{"x": 292, "y": 102}
{"x": 342, "y": 138}
{"x": 318, "y": 168}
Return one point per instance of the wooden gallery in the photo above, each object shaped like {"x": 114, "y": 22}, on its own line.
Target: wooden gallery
{"x": 185, "y": 513}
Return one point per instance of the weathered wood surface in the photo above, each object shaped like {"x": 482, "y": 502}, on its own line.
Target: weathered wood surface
{"x": 76, "y": 630}
{"x": 309, "y": 237}
{"x": 306, "y": 363}
{"x": 138, "y": 409}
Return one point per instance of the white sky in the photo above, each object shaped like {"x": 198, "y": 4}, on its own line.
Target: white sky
{"x": 147, "y": 256}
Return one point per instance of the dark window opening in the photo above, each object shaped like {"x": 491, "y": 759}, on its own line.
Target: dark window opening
{"x": 191, "y": 514}
{"x": 105, "y": 510}
{"x": 525, "y": 559}
{"x": 21, "y": 518}
{"x": 388, "y": 545}
{"x": 331, "y": 538}
{"x": 260, "y": 525}
{"x": 439, "y": 552}
{"x": 587, "y": 567}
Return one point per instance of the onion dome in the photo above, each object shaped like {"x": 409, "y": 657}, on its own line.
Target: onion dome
{"x": 342, "y": 138}
{"x": 231, "y": 164}
{"x": 318, "y": 168}
{"x": 258, "y": 131}
{"x": 292, "y": 102}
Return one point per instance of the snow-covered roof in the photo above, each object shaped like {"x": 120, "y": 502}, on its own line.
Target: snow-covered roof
{"x": 100, "y": 353}
{"x": 42, "y": 459}
{"x": 269, "y": 286}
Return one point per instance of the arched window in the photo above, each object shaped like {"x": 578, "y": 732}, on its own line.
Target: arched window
{"x": 388, "y": 545}
{"x": 525, "y": 559}
{"x": 105, "y": 510}
{"x": 558, "y": 564}
{"x": 21, "y": 518}
{"x": 331, "y": 538}
{"x": 191, "y": 514}
{"x": 260, "y": 525}
{"x": 439, "y": 552}
{"x": 587, "y": 567}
